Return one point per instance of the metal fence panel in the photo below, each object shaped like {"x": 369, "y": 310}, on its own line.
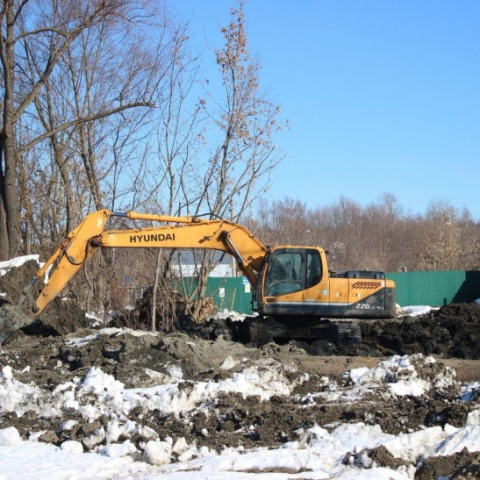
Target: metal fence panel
{"x": 230, "y": 293}
{"x": 436, "y": 288}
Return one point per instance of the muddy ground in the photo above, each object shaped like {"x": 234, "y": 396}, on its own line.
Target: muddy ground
{"x": 43, "y": 354}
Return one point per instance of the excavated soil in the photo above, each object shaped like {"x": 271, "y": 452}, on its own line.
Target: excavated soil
{"x": 53, "y": 361}
{"x": 60, "y": 318}
{"x": 45, "y": 354}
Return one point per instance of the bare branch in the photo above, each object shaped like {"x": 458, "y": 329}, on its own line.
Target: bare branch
{"x": 79, "y": 121}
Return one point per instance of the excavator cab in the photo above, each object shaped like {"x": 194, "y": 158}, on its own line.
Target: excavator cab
{"x": 295, "y": 282}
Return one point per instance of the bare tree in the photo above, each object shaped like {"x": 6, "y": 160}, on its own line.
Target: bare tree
{"x": 215, "y": 152}
{"x": 36, "y": 37}
{"x": 448, "y": 246}
{"x": 178, "y": 132}
{"x": 242, "y": 124}
{"x": 283, "y": 222}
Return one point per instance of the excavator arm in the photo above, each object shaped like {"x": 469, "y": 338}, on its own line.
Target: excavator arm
{"x": 199, "y": 234}
{"x": 176, "y": 232}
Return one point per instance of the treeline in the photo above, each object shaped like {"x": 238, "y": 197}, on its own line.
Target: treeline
{"x": 378, "y": 236}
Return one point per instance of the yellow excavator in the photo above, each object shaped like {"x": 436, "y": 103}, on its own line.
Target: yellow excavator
{"x": 291, "y": 284}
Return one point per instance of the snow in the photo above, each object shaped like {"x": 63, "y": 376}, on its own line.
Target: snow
{"x": 234, "y": 316}
{"x": 321, "y": 454}
{"x": 317, "y": 451}
{"x": 108, "y": 331}
{"x": 16, "y": 262}
{"x": 412, "y": 311}
{"x": 415, "y": 310}
{"x": 10, "y": 437}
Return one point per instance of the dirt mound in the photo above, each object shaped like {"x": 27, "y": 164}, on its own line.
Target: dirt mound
{"x": 458, "y": 466}
{"x": 143, "y": 360}
{"x": 451, "y": 331}
{"x": 15, "y": 280}
{"x": 61, "y": 317}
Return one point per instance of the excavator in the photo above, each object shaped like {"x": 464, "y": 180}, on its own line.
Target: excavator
{"x": 292, "y": 284}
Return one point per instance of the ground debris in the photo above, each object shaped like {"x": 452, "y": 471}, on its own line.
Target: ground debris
{"x": 54, "y": 357}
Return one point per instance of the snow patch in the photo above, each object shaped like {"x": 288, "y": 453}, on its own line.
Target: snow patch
{"x": 17, "y": 262}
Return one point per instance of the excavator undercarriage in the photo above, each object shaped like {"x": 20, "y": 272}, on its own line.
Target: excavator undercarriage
{"x": 260, "y": 331}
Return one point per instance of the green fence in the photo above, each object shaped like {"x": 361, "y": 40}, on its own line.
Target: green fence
{"x": 412, "y": 288}
{"x": 234, "y": 294}
{"x": 436, "y": 288}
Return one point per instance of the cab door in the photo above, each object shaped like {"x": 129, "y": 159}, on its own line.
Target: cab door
{"x": 316, "y": 279}
{"x": 339, "y": 292}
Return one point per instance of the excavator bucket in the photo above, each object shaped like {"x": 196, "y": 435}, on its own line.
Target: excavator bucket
{"x": 11, "y": 319}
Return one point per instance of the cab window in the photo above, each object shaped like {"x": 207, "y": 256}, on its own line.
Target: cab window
{"x": 291, "y": 270}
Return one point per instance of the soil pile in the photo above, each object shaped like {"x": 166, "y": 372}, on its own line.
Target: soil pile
{"x": 61, "y": 316}
{"x": 453, "y": 331}
{"x": 232, "y": 420}
{"x": 48, "y": 355}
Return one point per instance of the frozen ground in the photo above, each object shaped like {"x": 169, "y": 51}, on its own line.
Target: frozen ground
{"x": 119, "y": 404}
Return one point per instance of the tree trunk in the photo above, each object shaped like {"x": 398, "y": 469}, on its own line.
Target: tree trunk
{"x": 9, "y": 208}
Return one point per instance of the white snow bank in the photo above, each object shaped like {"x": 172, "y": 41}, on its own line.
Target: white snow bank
{"x": 17, "y": 262}
{"x": 16, "y": 396}
{"x": 10, "y": 437}
{"x": 72, "y": 446}
{"x": 236, "y": 317}
{"x": 317, "y": 451}
{"x": 400, "y": 387}
{"x": 396, "y": 376}
{"x": 110, "y": 331}
{"x": 415, "y": 310}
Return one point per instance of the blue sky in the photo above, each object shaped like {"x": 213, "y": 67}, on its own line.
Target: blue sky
{"x": 381, "y": 96}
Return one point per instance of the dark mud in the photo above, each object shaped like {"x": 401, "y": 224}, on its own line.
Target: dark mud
{"x": 453, "y": 331}
{"x": 459, "y": 466}
{"x": 45, "y": 354}
{"x": 232, "y": 420}
{"x": 61, "y": 316}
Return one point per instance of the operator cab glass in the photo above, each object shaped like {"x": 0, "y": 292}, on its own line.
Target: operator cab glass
{"x": 291, "y": 270}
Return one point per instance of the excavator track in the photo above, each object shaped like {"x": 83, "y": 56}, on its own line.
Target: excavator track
{"x": 260, "y": 331}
